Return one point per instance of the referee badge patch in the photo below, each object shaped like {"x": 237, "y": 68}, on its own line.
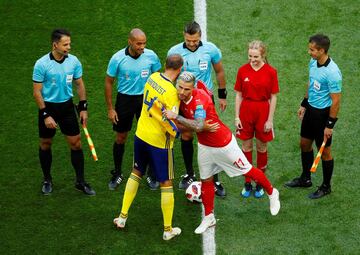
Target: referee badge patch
{"x": 203, "y": 65}
{"x": 69, "y": 78}
{"x": 317, "y": 85}
{"x": 144, "y": 73}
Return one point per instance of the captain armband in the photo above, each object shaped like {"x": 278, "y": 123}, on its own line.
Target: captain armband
{"x": 330, "y": 123}
{"x": 82, "y": 105}
{"x": 222, "y": 93}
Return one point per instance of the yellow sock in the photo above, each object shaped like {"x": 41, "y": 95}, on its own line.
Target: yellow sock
{"x": 167, "y": 206}
{"x": 131, "y": 188}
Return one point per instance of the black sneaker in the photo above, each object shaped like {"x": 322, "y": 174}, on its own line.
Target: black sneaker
{"x": 85, "y": 187}
{"x": 219, "y": 190}
{"x": 186, "y": 181}
{"x": 115, "y": 180}
{"x": 298, "y": 182}
{"x": 320, "y": 192}
{"x": 46, "y": 188}
{"x": 153, "y": 184}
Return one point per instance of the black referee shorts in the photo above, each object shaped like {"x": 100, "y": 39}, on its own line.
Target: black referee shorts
{"x": 313, "y": 125}
{"x": 65, "y": 115}
{"x": 126, "y": 107}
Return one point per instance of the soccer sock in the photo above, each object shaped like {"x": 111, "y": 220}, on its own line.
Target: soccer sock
{"x": 307, "y": 159}
{"x": 248, "y": 155}
{"x": 187, "y": 150}
{"x": 328, "y": 167}
{"x": 208, "y": 196}
{"x": 77, "y": 161}
{"x": 45, "y": 157}
{"x": 167, "y": 206}
{"x": 261, "y": 160}
{"x": 259, "y": 177}
{"x": 131, "y": 188}
{"x": 151, "y": 173}
{"x": 216, "y": 177}
{"x": 118, "y": 153}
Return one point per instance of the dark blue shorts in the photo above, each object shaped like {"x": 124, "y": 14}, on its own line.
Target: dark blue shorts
{"x": 313, "y": 125}
{"x": 127, "y": 107}
{"x": 160, "y": 160}
{"x": 64, "y": 115}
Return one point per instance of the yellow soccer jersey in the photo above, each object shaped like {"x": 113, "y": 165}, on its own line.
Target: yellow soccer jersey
{"x": 149, "y": 129}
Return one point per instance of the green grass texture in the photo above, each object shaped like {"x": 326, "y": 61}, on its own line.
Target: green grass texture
{"x": 68, "y": 222}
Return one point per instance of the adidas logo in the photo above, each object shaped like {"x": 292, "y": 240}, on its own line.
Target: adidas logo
{"x": 246, "y": 79}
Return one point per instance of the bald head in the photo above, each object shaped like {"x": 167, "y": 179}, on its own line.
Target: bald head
{"x": 174, "y": 62}
{"x": 136, "y": 33}
{"x": 137, "y": 42}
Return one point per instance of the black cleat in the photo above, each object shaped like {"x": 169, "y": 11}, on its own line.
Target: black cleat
{"x": 46, "y": 188}
{"x": 299, "y": 182}
{"x": 320, "y": 192}
{"x": 186, "y": 181}
{"x": 115, "y": 180}
{"x": 153, "y": 184}
{"x": 85, "y": 187}
{"x": 220, "y": 190}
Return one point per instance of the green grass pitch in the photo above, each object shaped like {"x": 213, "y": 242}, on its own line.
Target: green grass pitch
{"x": 68, "y": 222}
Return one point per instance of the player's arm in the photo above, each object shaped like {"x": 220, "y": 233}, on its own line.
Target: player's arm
{"x": 270, "y": 121}
{"x": 112, "y": 115}
{"x": 48, "y": 120}
{"x": 334, "y": 109}
{"x": 238, "y": 100}
{"x": 82, "y": 107}
{"x": 220, "y": 77}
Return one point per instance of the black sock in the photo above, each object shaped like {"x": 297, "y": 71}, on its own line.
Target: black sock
{"x": 77, "y": 160}
{"x": 118, "y": 153}
{"x": 187, "y": 150}
{"x": 151, "y": 173}
{"x": 216, "y": 178}
{"x": 307, "y": 159}
{"x": 328, "y": 167}
{"x": 45, "y": 162}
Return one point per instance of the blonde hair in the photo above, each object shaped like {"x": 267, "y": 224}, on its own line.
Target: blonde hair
{"x": 260, "y": 46}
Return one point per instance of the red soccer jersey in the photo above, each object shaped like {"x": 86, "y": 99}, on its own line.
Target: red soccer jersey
{"x": 257, "y": 85}
{"x": 201, "y": 106}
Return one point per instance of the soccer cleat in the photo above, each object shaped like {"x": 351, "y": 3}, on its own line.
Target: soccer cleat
{"x": 259, "y": 191}
{"x": 207, "y": 222}
{"x": 186, "y": 181}
{"x": 246, "y": 191}
{"x": 220, "y": 190}
{"x": 86, "y": 188}
{"x": 153, "y": 184}
{"x": 320, "y": 192}
{"x": 115, "y": 180}
{"x": 168, "y": 235}
{"x": 299, "y": 182}
{"x": 274, "y": 202}
{"x": 120, "y": 222}
{"x": 46, "y": 188}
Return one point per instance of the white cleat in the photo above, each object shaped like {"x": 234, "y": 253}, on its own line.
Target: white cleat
{"x": 207, "y": 222}
{"x": 274, "y": 202}
{"x": 168, "y": 235}
{"x": 120, "y": 222}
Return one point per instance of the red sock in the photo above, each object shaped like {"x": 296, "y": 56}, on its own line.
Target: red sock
{"x": 261, "y": 160}
{"x": 207, "y": 196}
{"x": 259, "y": 177}
{"x": 248, "y": 155}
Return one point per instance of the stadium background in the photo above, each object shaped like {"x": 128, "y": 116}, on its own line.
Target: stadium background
{"x": 67, "y": 222}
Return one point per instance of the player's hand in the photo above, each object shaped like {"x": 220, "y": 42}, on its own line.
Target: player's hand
{"x": 211, "y": 127}
{"x": 268, "y": 126}
{"x": 238, "y": 125}
{"x": 301, "y": 112}
{"x": 170, "y": 115}
{"x": 112, "y": 115}
{"x": 328, "y": 133}
{"x": 83, "y": 117}
{"x": 50, "y": 123}
{"x": 222, "y": 104}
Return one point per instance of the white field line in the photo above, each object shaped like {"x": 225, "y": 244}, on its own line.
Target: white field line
{"x": 200, "y": 17}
